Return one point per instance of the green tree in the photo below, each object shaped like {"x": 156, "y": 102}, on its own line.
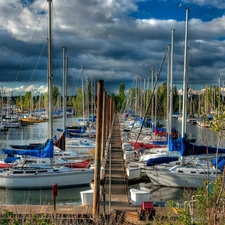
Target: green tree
{"x": 78, "y": 103}
{"x": 162, "y": 100}
{"x": 55, "y": 94}
{"x": 120, "y": 98}
{"x": 175, "y": 100}
{"x": 27, "y": 100}
{"x": 18, "y": 102}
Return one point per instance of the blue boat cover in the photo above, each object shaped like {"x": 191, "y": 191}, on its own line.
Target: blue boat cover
{"x": 159, "y": 142}
{"x": 186, "y": 148}
{"x": 47, "y": 152}
{"x": 158, "y": 129}
{"x": 160, "y": 160}
{"x": 10, "y": 159}
{"x": 35, "y": 146}
{"x": 177, "y": 145}
{"x": 221, "y": 165}
{"x": 221, "y": 162}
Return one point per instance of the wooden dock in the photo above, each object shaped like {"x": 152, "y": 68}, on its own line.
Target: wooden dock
{"x": 116, "y": 185}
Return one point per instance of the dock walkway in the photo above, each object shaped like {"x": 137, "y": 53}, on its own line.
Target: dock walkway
{"x": 116, "y": 186}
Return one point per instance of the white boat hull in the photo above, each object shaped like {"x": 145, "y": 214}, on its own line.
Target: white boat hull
{"x": 170, "y": 179}
{"x": 45, "y": 180}
{"x": 80, "y": 146}
{"x": 79, "y": 150}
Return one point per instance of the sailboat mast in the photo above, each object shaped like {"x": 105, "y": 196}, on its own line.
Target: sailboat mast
{"x": 82, "y": 73}
{"x": 50, "y": 75}
{"x": 2, "y": 105}
{"x": 184, "y": 110}
{"x": 171, "y": 79}
{"x": 136, "y": 95}
{"x": 168, "y": 127}
{"x": 64, "y": 88}
{"x": 152, "y": 94}
{"x": 156, "y": 95}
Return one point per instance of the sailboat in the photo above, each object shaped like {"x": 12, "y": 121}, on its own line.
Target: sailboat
{"x": 187, "y": 171}
{"x": 43, "y": 177}
{"x": 72, "y": 142}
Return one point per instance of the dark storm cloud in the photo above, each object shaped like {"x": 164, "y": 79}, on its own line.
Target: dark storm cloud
{"x": 114, "y": 40}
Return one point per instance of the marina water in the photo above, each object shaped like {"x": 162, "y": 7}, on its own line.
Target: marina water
{"x": 38, "y": 133}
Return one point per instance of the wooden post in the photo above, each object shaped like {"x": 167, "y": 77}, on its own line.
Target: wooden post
{"x": 111, "y": 114}
{"x": 103, "y": 126}
{"x": 96, "y": 196}
{"x": 107, "y": 118}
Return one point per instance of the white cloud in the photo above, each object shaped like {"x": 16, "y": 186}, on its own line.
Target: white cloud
{"x": 102, "y": 35}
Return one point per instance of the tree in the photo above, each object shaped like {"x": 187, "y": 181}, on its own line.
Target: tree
{"x": 78, "y": 103}
{"x": 55, "y": 94}
{"x": 120, "y": 98}
{"x": 27, "y": 100}
{"x": 162, "y": 100}
{"x": 18, "y": 102}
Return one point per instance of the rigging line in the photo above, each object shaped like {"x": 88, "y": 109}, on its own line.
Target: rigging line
{"x": 37, "y": 64}
{"x": 28, "y": 47}
{"x": 73, "y": 77}
{"x": 131, "y": 105}
{"x": 157, "y": 78}
{"x": 135, "y": 115}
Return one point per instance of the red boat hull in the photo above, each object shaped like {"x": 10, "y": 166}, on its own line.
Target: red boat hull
{"x": 81, "y": 164}
{"x": 145, "y": 145}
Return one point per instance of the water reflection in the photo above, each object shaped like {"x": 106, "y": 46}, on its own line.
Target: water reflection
{"x": 160, "y": 195}
{"x": 203, "y": 136}
{"x": 35, "y": 133}
{"x": 42, "y": 197}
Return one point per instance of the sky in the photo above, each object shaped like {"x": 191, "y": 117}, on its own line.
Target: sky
{"x": 114, "y": 40}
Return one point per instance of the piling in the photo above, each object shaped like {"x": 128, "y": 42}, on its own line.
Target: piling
{"x": 96, "y": 196}
{"x": 103, "y": 144}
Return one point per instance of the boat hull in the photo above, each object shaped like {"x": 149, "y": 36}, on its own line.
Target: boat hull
{"x": 80, "y": 149}
{"x": 169, "y": 179}
{"x": 45, "y": 180}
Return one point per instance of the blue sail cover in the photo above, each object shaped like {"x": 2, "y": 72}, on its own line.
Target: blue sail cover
{"x": 191, "y": 149}
{"x": 217, "y": 160}
{"x": 221, "y": 165}
{"x": 186, "y": 148}
{"x": 145, "y": 123}
{"x": 35, "y": 146}
{"x": 47, "y": 152}
{"x": 11, "y": 159}
{"x": 76, "y": 129}
{"x": 159, "y": 142}
{"x": 149, "y": 122}
{"x": 158, "y": 129}
{"x": 160, "y": 160}
{"x": 177, "y": 145}
{"x": 141, "y": 121}
{"x": 220, "y": 160}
